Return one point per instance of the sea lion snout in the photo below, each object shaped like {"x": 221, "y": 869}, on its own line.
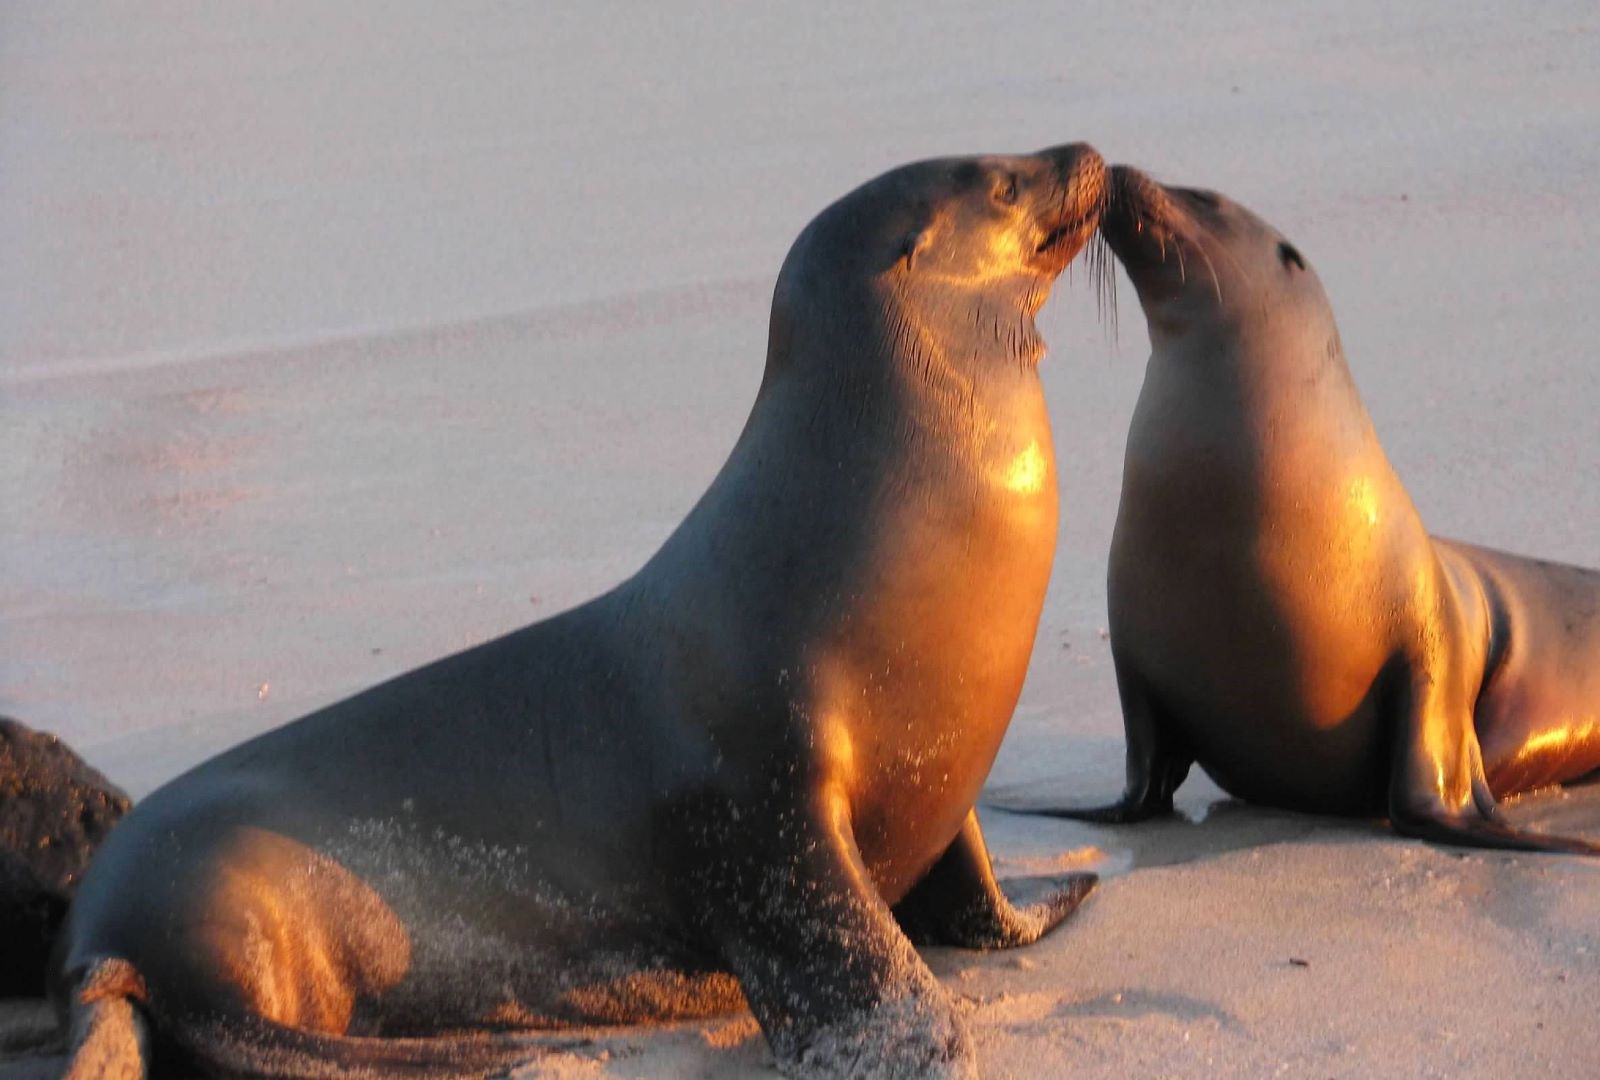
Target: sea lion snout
{"x": 1187, "y": 251}
{"x": 1077, "y": 163}
{"x": 1069, "y": 210}
{"x": 1140, "y": 217}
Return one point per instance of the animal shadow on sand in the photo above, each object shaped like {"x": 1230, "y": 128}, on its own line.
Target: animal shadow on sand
{"x": 1208, "y": 828}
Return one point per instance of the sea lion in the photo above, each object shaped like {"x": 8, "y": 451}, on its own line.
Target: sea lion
{"x": 1278, "y": 612}
{"x": 712, "y": 783}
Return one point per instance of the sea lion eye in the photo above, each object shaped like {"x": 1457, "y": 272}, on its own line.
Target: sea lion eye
{"x": 1005, "y": 190}
{"x": 1288, "y": 255}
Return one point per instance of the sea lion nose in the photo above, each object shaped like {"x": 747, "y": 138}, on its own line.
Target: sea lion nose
{"x": 1075, "y": 161}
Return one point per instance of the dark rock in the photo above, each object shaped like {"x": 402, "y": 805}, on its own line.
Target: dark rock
{"x": 54, "y": 811}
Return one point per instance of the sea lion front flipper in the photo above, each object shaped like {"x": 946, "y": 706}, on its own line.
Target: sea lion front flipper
{"x": 1437, "y": 788}
{"x": 836, "y": 986}
{"x": 1157, "y": 763}
{"x": 959, "y": 902}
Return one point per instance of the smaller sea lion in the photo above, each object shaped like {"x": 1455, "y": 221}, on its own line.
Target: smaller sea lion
{"x": 1278, "y": 612}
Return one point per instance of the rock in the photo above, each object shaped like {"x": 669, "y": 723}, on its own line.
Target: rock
{"x": 54, "y": 811}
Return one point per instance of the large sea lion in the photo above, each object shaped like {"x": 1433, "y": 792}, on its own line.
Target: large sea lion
{"x": 1278, "y": 612}
{"x": 714, "y": 782}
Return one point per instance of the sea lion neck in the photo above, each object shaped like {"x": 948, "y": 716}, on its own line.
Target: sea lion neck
{"x": 986, "y": 325}
{"x": 919, "y": 349}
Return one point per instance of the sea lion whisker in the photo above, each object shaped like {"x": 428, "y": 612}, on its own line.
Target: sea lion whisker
{"x": 1216, "y": 282}
{"x": 1245, "y": 274}
{"x": 1100, "y": 269}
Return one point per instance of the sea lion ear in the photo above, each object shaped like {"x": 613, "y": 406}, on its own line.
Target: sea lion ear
{"x": 918, "y": 242}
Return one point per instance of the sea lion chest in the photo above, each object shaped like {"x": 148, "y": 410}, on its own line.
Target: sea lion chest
{"x": 883, "y": 589}
{"x": 928, "y": 665}
{"x": 1262, "y": 552}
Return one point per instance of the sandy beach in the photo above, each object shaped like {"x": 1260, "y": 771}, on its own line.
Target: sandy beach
{"x": 334, "y": 338}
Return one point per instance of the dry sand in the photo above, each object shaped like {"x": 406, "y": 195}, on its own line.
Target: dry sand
{"x": 337, "y": 337}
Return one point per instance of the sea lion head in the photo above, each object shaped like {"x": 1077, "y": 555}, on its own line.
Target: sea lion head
{"x": 951, "y": 256}
{"x": 1204, "y": 265}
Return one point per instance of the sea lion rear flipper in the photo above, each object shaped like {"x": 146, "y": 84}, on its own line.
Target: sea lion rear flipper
{"x": 1474, "y": 831}
{"x": 836, "y": 986}
{"x": 107, "y": 1029}
{"x": 109, "y": 1032}
{"x": 1437, "y": 787}
{"x": 959, "y": 902}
